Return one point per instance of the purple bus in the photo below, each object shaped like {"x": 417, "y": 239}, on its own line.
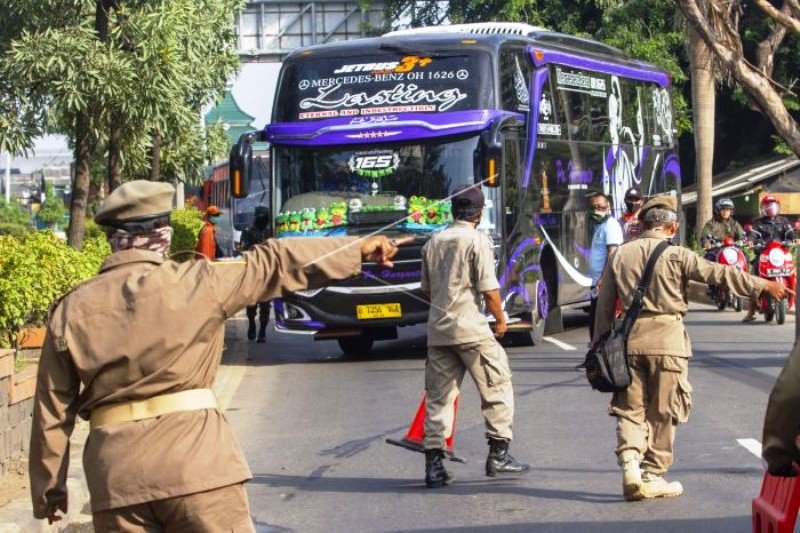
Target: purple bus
{"x": 375, "y": 134}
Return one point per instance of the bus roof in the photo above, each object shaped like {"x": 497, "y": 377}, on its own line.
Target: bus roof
{"x": 487, "y": 36}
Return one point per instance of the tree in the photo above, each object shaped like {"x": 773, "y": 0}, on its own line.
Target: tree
{"x": 53, "y": 209}
{"x": 128, "y": 76}
{"x": 725, "y": 42}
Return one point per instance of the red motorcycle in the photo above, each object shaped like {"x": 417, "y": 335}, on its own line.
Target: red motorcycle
{"x": 776, "y": 263}
{"x": 729, "y": 253}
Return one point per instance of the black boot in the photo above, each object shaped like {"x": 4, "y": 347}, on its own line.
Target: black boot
{"x": 262, "y": 332}
{"x": 499, "y": 462}
{"x": 435, "y": 473}
{"x": 251, "y": 330}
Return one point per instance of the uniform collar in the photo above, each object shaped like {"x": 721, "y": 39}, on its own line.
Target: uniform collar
{"x": 652, "y": 234}
{"x": 134, "y": 255}
{"x": 464, "y": 223}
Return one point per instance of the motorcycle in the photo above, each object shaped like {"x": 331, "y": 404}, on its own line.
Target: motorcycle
{"x": 776, "y": 263}
{"x": 728, "y": 253}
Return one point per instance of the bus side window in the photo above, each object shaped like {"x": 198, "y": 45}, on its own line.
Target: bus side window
{"x": 512, "y": 155}
{"x": 577, "y": 113}
{"x": 515, "y": 75}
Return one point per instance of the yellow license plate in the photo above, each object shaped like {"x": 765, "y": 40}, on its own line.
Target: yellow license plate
{"x": 366, "y": 312}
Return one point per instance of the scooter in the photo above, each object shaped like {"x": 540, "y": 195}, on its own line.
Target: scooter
{"x": 728, "y": 253}
{"x": 776, "y": 263}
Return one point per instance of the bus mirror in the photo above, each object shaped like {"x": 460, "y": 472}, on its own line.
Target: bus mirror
{"x": 239, "y": 162}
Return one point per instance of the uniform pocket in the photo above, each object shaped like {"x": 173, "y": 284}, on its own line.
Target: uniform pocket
{"x": 495, "y": 365}
{"x": 681, "y": 403}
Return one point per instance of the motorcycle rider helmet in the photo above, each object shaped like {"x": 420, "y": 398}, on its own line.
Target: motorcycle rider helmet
{"x": 770, "y": 206}
{"x": 723, "y": 203}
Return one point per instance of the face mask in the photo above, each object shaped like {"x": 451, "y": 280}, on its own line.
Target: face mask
{"x": 597, "y": 215}
{"x": 771, "y": 210}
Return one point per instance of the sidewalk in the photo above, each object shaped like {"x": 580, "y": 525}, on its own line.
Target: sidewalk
{"x": 17, "y": 515}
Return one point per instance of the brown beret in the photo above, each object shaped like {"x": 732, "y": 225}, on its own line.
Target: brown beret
{"x": 664, "y": 202}
{"x": 136, "y": 200}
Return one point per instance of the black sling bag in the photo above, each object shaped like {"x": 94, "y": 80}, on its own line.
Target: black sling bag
{"x": 606, "y": 361}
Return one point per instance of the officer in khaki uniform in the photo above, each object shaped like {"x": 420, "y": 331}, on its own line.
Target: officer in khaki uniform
{"x": 135, "y": 350}
{"x": 457, "y": 270}
{"x": 782, "y": 422}
{"x": 659, "y": 396}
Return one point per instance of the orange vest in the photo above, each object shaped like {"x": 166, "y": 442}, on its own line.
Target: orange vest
{"x": 207, "y": 240}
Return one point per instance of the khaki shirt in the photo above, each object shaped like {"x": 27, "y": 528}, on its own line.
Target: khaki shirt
{"x": 457, "y": 266}
{"x": 782, "y": 421}
{"x": 147, "y": 326}
{"x": 659, "y": 329}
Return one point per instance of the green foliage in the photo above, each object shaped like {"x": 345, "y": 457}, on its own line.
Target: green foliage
{"x": 14, "y": 213}
{"x": 37, "y": 270}
{"x": 14, "y": 230}
{"x": 94, "y": 230}
{"x": 53, "y": 209}
{"x": 186, "y": 223}
{"x": 143, "y": 68}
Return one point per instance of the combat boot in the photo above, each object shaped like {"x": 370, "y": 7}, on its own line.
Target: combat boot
{"x": 499, "y": 462}
{"x": 251, "y": 330}
{"x": 436, "y": 475}
{"x": 262, "y": 332}
{"x": 654, "y": 486}
{"x": 631, "y": 480}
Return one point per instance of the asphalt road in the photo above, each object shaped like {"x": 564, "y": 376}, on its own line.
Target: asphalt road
{"x": 313, "y": 423}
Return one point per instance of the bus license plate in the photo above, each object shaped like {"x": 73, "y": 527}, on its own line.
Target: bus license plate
{"x": 366, "y": 312}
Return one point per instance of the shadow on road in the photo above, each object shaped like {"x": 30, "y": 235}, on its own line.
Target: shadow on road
{"x": 726, "y": 524}
{"x": 317, "y": 483}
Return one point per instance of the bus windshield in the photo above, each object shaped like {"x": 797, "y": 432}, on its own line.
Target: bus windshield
{"x": 384, "y": 81}
{"x": 352, "y": 189}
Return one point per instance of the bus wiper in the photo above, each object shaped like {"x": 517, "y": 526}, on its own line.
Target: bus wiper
{"x": 399, "y": 48}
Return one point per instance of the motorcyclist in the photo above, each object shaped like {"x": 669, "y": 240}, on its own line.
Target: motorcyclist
{"x": 715, "y": 230}
{"x": 721, "y": 225}
{"x": 769, "y": 227}
{"x": 630, "y": 219}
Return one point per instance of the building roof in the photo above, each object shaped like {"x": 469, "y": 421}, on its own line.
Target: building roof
{"x": 235, "y": 121}
{"x": 750, "y": 178}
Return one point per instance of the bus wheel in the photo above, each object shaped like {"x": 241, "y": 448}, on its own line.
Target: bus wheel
{"x": 539, "y": 316}
{"x": 353, "y": 346}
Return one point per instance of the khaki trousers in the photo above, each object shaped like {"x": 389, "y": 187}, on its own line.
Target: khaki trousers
{"x": 217, "y": 510}
{"x": 657, "y": 400}
{"x": 487, "y": 363}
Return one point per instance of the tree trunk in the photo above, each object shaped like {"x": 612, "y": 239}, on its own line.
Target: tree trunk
{"x": 114, "y": 175}
{"x": 155, "y": 157}
{"x": 82, "y": 180}
{"x": 703, "y": 106}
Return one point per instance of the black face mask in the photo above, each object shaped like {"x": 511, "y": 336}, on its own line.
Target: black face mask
{"x": 632, "y": 207}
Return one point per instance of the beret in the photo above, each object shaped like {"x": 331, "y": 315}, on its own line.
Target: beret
{"x": 468, "y": 196}
{"x": 664, "y": 203}
{"x": 136, "y": 200}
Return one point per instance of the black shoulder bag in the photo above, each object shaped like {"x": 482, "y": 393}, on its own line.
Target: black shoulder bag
{"x": 607, "y": 360}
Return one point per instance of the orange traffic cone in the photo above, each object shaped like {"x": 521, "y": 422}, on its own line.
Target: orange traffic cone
{"x": 416, "y": 432}
{"x": 775, "y": 510}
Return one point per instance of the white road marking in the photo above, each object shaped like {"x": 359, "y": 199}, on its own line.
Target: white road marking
{"x": 562, "y": 345}
{"x": 751, "y": 445}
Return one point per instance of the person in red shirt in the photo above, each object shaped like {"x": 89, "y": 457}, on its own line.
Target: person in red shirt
{"x": 630, "y": 219}
{"x": 207, "y": 239}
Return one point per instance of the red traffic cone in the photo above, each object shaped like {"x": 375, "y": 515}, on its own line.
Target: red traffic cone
{"x": 775, "y": 509}
{"x": 416, "y": 432}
